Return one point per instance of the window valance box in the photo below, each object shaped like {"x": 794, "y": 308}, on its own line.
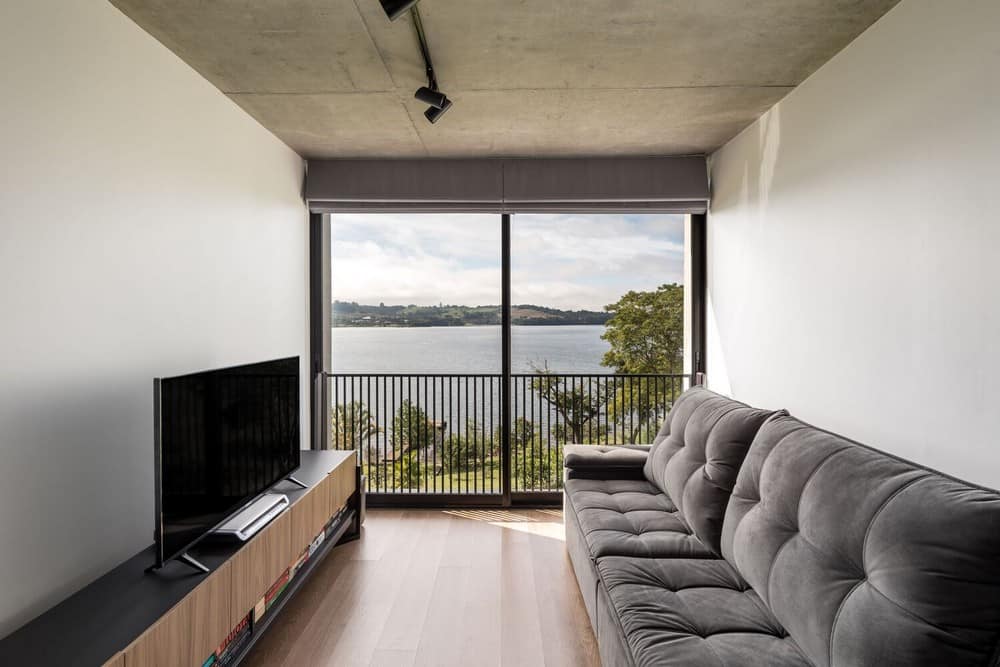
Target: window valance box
{"x": 527, "y": 185}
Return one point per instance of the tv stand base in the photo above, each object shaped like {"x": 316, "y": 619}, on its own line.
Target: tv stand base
{"x": 188, "y": 559}
{"x": 296, "y": 482}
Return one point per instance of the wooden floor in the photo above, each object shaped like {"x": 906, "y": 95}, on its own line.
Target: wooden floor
{"x": 439, "y": 587}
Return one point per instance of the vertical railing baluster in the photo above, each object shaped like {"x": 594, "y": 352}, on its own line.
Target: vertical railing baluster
{"x": 550, "y": 430}
{"x": 531, "y": 482}
{"x": 631, "y": 411}
{"x": 336, "y": 414}
{"x": 366, "y": 453}
{"x": 605, "y": 398}
{"x": 386, "y": 441}
{"x": 422, "y": 429}
{"x": 515, "y": 467}
{"x": 436, "y": 431}
{"x": 475, "y": 436}
{"x": 590, "y": 399}
{"x": 530, "y": 455}
{"x": 484, "y": 380}
{"x": 548, "y": 448}
{"x": 620, "y": 422}
{"x": 644, "y": 410}
{"x": 393, "y": 436}
{"x": 451, "y": 437}
{"x": 482, "y": 433}
{"x": 409, "y": 434}
{"x": 349, "y": 399}
{"x": 462, "y": 427}
{"x": 492, "y": 426}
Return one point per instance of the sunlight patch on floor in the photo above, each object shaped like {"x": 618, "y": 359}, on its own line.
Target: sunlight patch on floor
{"x": 491, "y": 516}
{"x": 546, "y": 523}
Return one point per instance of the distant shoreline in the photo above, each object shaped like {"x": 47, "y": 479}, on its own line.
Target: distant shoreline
{"x": 346, "y": 314}
{"x": 456, "y": 326}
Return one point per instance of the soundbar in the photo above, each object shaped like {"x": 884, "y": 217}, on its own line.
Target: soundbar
{"x": 247, "y": 522}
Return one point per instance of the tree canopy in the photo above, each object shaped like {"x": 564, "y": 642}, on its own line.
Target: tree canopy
{"x": 646, "y": 331}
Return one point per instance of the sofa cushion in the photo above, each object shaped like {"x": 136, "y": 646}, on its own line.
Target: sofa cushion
{"x": 605, "y": 462}
{"x": 630, "y": 518}
{"x": 697, "y": 454}
{"x": 692, "y": 613}
{"x": 866, "y": 559}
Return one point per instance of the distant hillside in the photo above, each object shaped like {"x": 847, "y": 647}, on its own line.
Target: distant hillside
{"x": 352, "y": 314}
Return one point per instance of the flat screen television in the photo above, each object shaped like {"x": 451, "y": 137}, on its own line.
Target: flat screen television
{"x": 223, "y": 437}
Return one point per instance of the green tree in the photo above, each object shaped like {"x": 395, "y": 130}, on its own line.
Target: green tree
{"x": 463, "y": 452}
{"x": 352, "y": 425}
{"x": 646, "y": 331}
{"x": 639, "y": 404}
{"x": 578, "y": 409}
{"x": 403, "y": 472}
{"x": 411, "y": 429}
{"x": 412, "y": 433}
{"x": 524, "y": 433}
{"x": 536, "y": 463}
{"x": 537, "y": 469}
{"x": 646, "y": 335}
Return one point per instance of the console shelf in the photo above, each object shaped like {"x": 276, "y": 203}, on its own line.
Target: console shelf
{"x": 176, "y": 617}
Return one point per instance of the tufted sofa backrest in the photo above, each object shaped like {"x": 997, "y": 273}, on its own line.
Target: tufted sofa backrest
{"x": 864, "y": 558}
{"x": 697, "y": 454}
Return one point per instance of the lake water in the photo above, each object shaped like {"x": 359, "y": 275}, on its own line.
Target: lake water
{"x": 565, "y": 349}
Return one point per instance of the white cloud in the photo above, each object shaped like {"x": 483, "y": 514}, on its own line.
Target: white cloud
{"x": 369, "y": 273}
{"x": 565, "y": 261}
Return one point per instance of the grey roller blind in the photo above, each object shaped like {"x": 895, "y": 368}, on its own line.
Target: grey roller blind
{"x": 372, "y": 185}
{"x": 658, "y": 184}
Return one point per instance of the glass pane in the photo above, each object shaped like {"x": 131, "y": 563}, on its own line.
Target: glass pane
{"x": 598, "y": 334}
{"x": 416, "y": 349}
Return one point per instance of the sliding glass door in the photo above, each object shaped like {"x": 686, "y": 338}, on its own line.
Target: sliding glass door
{"x": 415, "y": 367}
{"x": 466, "y": 350}
{"x": 598, "y": 345}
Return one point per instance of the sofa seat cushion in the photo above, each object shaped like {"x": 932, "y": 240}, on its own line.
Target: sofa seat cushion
{"x": 605, "y": 462}
{"x": 693, "y": 612}
{"x": 631, "y": 518}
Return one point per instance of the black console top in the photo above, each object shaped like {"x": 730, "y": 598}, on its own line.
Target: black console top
{"x": 95, "y": 623}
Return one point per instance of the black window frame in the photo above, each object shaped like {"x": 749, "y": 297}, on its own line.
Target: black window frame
{"x": 320, "y": 347}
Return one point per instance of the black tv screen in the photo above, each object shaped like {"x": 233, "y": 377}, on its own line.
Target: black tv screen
{"x": 223, "y": 437}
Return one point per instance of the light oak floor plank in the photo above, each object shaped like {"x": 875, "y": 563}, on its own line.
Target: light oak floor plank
{"x": 439, "y": 587}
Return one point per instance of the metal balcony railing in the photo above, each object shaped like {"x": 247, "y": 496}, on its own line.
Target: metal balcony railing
{"x": 443, "y": 433}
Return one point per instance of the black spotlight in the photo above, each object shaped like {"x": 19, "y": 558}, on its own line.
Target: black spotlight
{"x": 396, "y": 8}
{"x": 434, "y": 113}
{"x": 428, "y": 94}
{"x": 435, "y": 98}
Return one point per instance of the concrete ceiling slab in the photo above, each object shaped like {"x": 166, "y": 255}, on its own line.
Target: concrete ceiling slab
{"x": 334, "y": 78}
{"x": 338, "y": 125}
{"x": 592, "y": 122}
{"x": 268, "y": 46}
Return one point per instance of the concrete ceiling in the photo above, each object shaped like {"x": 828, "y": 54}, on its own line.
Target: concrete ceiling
{"x": 334, "y": 78}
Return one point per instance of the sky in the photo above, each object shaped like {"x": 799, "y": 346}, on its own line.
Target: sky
{"x": 566, "y": 261}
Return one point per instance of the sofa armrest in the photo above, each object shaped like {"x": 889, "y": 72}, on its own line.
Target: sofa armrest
{"x": 604, "y": 462}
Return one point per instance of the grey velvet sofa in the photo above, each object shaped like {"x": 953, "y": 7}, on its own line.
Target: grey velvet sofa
{"x": 743, "y": 537}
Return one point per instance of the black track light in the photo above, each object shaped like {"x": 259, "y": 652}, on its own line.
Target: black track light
{"x": 396, "y": 8}
{"x": 435, "y": 98}
{"x": 434, "y": 113}
{"x": 429, "y": 94}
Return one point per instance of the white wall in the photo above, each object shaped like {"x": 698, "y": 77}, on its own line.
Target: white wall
{"x": 854, "y": 243}
{"x": 147, "y": 227}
